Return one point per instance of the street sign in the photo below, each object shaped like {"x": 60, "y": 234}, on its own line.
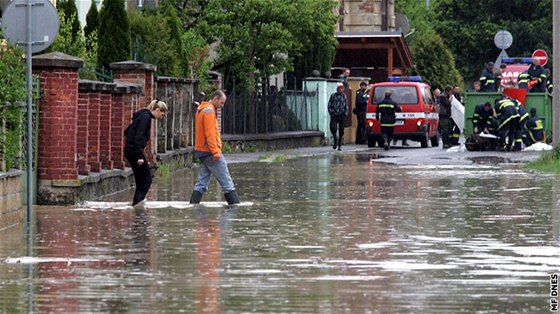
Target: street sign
{"x": 503, "y": 39}
{"x": 44, "y": 26}
{"x": 541, "y": 56}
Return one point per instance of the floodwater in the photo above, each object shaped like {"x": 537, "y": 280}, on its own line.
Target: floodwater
{"x": 335, "y": 234}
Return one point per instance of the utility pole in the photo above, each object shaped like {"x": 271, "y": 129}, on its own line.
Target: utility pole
{"x": 556, "y": 73}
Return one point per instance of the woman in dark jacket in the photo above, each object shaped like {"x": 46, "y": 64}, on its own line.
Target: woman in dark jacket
{"x": 137, "y": 136}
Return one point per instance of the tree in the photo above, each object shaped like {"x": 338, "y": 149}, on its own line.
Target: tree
{"x": 71, "y": 17}
{"x": 468, "y": 28}
{"x": 66, "y": 41}
{"x": 157, "y": 40}
{"x": 433, "y": 60}
{"x": 315, "y": 32}
{"x": 91, "y": 24}
{"x": 258, "y": 38}
{"x": 113, "y": 33}
{"x": 435, "y": 63}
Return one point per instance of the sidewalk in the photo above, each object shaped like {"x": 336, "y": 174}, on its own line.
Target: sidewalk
{"x": 413, "y": 154}
{"x": 292, "y": 153}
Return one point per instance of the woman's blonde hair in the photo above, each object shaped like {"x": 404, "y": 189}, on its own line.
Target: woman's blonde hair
{"x": 157, "y": 104}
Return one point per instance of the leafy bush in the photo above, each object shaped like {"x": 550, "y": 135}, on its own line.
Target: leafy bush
{"x": 12, "y": 89}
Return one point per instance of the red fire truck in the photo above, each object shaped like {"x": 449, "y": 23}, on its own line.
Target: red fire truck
{"x": 419, "y": 118}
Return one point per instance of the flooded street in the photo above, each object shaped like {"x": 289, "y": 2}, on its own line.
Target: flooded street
{"x": 342, "y": 233}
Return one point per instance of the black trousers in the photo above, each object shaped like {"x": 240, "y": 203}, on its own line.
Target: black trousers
{"x": 387, "y": 134}
{"x": 361, "y": 129}
{"x": 142, "y": 177}
{"x": 337, "y": 123}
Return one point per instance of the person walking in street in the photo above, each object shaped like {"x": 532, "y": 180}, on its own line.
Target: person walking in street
{"x": 387, "y": 109}
{"x": 445, "y": 116}
{"x": 137, "y": 137}
{"x": 487, "y": 79}
{"x": 208, "y": 148}
{"x": 338, "y": 110}
{"x": 360, "y": 111}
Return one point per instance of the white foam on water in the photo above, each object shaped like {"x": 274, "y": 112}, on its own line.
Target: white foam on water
{"x": 435, "y": 239}
{"x": 504, "y": 273}
{"x": 303, "y": 247}
{"x": 378, "y": 245}
{"x": 93, "y": 206}
{"x": 522, "y": 189}
{"x": 345, "y": 278}
{"x": 405, "y": 266}
{"x": 38, "y": 260}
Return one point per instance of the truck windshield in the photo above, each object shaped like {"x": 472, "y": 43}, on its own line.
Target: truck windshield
{"x": 402, "y": 95}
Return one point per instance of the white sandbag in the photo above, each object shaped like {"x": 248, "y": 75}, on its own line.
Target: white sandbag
{"x": 537, "y": 147}
{"x": 458, "y": 113}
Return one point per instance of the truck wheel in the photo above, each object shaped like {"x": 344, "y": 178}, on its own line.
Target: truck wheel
{"x": 435, "y": 141}
{"x": 424, "y": 140}
{"x": 371, "y": 141}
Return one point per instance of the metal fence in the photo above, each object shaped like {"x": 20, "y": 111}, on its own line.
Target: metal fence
{"x": 268, "y": 110}
{"x": 13, "y": 132}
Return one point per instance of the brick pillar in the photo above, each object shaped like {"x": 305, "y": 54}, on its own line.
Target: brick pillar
{"x": 125, "y": 99}
{"x": 142, "y": 74}
{"x": 58, "y": 114}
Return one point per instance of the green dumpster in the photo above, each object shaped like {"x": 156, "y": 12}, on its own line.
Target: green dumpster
{"x": 541, "y": 101}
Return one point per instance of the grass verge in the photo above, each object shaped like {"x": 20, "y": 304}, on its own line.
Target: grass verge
{"x": 548, "y": 162}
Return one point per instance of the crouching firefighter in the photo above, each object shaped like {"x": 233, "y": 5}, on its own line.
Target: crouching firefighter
{"x": 508, "y": 121}
{"x": 523, "y": 117}
{"x": 534, "y": 129}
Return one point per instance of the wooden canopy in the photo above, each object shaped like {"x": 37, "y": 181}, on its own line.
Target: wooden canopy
{"x": 373, "y": 54}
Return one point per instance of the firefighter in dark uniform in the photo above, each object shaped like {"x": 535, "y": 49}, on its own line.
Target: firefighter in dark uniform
{"x": 362, "y": 96}
{"x": 482, "y": 118}
{"x": 534, "y": 129}
{"x": 387, "y": 109}
{"x": 523, "y": 80}
{"x": 523, "y": 117}
{"x": 508, "y": 121}
{"x": 487, "y": 79}
{"x": 537, "y": 84}
{"x": 445, "y": 116}
{"x": 548, "y": 81}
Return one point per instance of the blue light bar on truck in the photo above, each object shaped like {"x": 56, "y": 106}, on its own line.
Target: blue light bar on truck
{"x": 517, "y": 60}
{"x": 416, "y": 78}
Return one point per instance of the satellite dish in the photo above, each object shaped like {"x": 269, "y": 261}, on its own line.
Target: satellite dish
{"x": 503, "y": 39}
{"x": 401, "y": 22}
{"x": 44, "y": 24}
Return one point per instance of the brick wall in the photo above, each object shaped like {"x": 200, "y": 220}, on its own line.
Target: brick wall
{"x": 82, "y": 124}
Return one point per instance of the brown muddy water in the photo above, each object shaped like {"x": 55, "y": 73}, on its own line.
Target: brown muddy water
{"x": 332, "y": 234}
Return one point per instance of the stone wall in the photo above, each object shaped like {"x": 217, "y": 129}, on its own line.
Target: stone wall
{"x": 11, "y": 208}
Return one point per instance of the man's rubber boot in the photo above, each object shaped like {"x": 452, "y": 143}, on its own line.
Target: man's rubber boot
{"x": 334, "y": 142}
{"x": 196, "y": 196}
{"x": 232, "y": 197}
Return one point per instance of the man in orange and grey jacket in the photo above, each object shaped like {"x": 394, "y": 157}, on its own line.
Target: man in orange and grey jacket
{"x": 208, "y": 148}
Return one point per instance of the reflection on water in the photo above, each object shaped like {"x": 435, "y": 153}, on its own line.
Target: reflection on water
{"x": 335, "y": 234}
